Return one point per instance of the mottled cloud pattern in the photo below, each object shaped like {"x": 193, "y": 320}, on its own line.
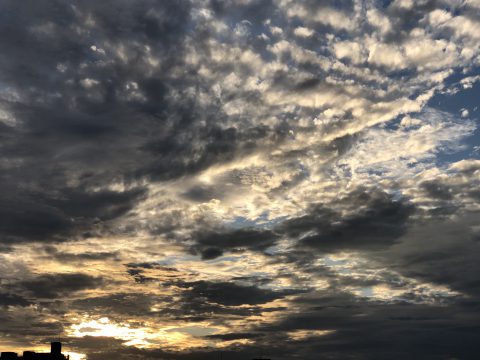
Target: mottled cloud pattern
{"x": 293, "y": 179}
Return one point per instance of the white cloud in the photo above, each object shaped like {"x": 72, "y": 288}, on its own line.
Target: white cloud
{"x": 88, "y": 83}
{"x": 324, "y": 15}
{"x": 401, "y": 153}
{"x": 389, "y": 55}
{"x": 94, "y": 48}
{"x": 349, "y": 49}
{"x": 378, "y": 20}
{"x": 303, "y": 31}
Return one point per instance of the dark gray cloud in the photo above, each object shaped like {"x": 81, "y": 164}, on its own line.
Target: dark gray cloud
{"x": 7, "y": 299}
{"x": 212, "y": 244}
{"x": 195, "y": 309}
{"x": 119, "y": 305}
{"x": 363, "y": 330}
{"x": 254, "y": 11}
{"x": 76, "y": 124}
{"x": 419, "y": 331}
{"x": 378, "y": 222}
{"x": 67, "y": 257}
{"x": 235, "y": 336}
{"x": 437, "y": 190}
{"x": 231, "y": 294}
{"x": 199, "y": 301}
{"x": 21, "y": 325}
{"x": 118, "y": 351}
{"x": 59, "y": 213}
{"x": 157, "y": 272}
{"x": 42, "y": 221}
{"x": 374, "y": 221}
{"x": 51, "y": 286}
{"x": 87, "y": 142}
{"x": 442, "y": 252}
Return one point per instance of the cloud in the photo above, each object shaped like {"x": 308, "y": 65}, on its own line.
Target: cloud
{"x": 55, "y": 216}
{"x": 230, "y": 294}
{"x": 377, "y": 222}
{"x": 212, "y": 243}
{"x": 441, "y": 252}
{"x": 234, "y": 336}
{"x": 13, "y": 300}
{"x": 118, "y": 304}
{"x": 437, "y": 190}
{"x": 67, "y": 257}
{"x": 278, "y": 177}
{"x": 303, "y": 31}
{"x": 53, "y": 286}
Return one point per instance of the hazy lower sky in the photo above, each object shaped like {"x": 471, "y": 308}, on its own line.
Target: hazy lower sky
{"x": 278, "y": 178}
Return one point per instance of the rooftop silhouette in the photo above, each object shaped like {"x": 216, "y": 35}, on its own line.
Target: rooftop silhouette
{"x": 54, "y": 354}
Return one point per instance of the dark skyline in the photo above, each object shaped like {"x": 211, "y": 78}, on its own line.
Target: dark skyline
{"x": 54, "y": 354}
{"x": 288, "y": 179}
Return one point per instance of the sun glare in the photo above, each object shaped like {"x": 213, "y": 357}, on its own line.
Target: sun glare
{"x": 75, "y": 356}
{"x": 143, "y": 337}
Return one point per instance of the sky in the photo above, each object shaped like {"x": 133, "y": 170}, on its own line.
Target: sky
{"x": 197, "y": 179}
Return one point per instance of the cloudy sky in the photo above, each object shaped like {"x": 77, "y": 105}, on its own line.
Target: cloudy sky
{"x": 279, "y": 178}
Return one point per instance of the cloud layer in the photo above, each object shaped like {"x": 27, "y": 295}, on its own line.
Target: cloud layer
{"x": 288, "y": 178}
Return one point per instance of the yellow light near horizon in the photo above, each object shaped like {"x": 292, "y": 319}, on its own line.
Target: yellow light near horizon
{"x": 19, "y": 348}
{"x": 168, "y": 337}
{"x": 74, "y": 355}
{"x": 103, "y": 327}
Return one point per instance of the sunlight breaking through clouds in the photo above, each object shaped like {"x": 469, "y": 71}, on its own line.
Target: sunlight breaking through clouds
{"x": 169, "y": 337}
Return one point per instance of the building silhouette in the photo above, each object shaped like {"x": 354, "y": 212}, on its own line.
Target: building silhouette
{"x": 54, "y": 354}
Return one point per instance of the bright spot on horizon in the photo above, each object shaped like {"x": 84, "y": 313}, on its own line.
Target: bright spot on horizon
{"x": 104, "y": 327}
{"x": 74, "y": 355}
{"x": 172, "y": 337}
